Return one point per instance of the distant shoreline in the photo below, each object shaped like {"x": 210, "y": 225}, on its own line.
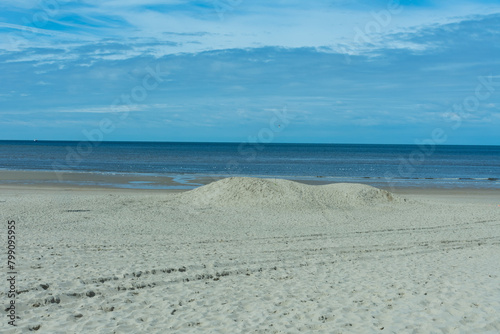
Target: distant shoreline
{"x": 183, "y": 182}
{"x": 184, "y": 166}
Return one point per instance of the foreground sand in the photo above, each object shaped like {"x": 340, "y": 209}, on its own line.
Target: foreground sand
{"x": 254, "y": 256}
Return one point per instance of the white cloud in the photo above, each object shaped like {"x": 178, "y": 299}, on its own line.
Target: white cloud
{"x": 293, "y": 24}
{"x": 313, "y": 25}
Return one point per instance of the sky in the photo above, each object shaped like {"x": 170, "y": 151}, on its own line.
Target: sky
{"x": 317, "y": 71}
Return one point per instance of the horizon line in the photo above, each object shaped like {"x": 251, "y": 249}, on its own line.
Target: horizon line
{"x": 225, "y": 142}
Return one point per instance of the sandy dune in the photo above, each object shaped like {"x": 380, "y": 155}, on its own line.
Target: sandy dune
{"x": 278, "y": 194}
{"x": 255, "y": 256}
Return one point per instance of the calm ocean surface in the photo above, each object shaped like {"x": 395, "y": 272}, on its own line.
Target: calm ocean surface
{"x": 397, "y": 165}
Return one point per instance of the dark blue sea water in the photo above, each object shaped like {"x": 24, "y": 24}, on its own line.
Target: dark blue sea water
{"x": 393, "y": 165}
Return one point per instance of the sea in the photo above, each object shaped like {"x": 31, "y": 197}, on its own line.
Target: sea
{"x": 439, "y": 166}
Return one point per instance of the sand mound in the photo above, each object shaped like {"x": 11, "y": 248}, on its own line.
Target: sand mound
{"x": 246, "y": 191}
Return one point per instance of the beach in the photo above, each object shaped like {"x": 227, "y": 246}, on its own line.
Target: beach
{"x": 249, "y": 255}
{"x": 257, "y": 167}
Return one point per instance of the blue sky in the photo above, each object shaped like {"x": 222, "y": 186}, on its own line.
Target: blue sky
{"x": 238, "y": 70}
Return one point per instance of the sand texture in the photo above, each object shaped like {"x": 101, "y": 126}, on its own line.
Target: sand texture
{"x": 245, "y": 255}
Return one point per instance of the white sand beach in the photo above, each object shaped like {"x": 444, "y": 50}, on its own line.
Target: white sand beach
{"x": 244, "y": 255}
